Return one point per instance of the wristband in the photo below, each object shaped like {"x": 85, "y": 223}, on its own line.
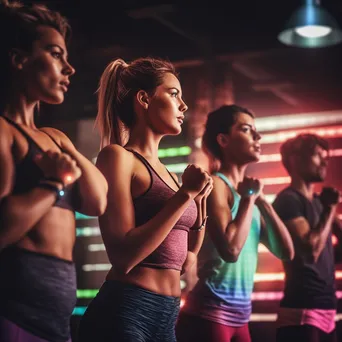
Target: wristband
{"x": 45, "y": 184}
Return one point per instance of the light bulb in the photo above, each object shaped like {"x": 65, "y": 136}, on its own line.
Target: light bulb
{"x": 313, "y": 31}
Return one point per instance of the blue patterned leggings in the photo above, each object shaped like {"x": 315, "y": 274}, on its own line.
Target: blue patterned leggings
{"x": 127, "y": 313}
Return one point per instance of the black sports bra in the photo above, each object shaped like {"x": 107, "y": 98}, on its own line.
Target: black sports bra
{"x": 28, "y": 174}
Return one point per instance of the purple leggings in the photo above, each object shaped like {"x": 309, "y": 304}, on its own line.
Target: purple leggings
{"x": 10, "y": 332}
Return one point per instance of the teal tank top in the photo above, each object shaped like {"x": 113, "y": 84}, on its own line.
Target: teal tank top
{"x": 223, "y": 292}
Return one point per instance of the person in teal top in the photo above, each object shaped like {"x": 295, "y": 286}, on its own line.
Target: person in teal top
{"x": 219, "y": 306}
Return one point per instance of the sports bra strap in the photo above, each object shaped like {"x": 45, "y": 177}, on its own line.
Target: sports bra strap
{"x": 27, "y": 136}
{"x": 150, "y": 167}
{"x": 21, "y": 130}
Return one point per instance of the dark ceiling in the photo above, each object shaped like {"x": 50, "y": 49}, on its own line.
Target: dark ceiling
{"x": 180, "y": 29}
{"x": 268, "y": 76}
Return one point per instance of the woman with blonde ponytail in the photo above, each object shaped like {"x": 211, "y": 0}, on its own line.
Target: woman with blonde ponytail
{"x": 109, "y": 126}
{"x": 152, "y": 227}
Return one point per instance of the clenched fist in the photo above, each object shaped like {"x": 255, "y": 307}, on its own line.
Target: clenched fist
{"x": 194, "y": 180}
{"x": 329, "y": 197}
{"x": 59, "y": 166}
{"x": 250, "y": 187}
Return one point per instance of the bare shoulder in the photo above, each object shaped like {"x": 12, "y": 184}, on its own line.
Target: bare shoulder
{"x": 221, "y": 193}
{"x": 6, "y": 158}
{"x": 6, "y": 131}
{"x": 114, "y": 157}
{"x": 220, "y": 186}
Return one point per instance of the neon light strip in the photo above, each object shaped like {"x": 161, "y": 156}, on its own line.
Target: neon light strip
{"x": 177, "y": 168}
{"x": 267, "y": 296}
{"x": 174, "y": 152}
{"x": 264, "y": 277}
{"x": 266, "y": 158}
{"x": 96, "y": 267}
{"x": 86, "y": 293}
{"x": 88, "y": 231}
{"x": 79, "y": 216}
{"x": 255, "y": 317}
{"x": 328, "y": 132}
{"x": 270, "y": 296}
{"x": 275, "y": 180}
{"x": 79, "y": 310}
{"x": 272, "y": 123}
{"x": 270, "y": 198}
{"x": 96, "y": 247}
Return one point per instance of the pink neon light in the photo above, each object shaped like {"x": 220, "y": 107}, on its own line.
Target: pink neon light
{"x": 264, "y": 277}
{"x": 275, "y": 180}
{"x": 331, "y": 132}
{"x": 266, "y": 158}
{"x": 269, "y": 296}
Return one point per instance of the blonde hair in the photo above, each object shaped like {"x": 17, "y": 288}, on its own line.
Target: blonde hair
{"x": 118, "y": 85}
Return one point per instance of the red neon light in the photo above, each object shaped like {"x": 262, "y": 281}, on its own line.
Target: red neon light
{"x": 277, "y": 295}
{"x": 266, "y": 158}
{"x": 330, "y": 132}
{"x": 264, "y": 277}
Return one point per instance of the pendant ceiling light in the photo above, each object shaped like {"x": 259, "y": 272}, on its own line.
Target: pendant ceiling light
{"x": 311, "y": 26}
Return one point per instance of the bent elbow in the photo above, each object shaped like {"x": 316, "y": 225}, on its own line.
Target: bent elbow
{"x": 291, "y": 255}
{"x": 101, "y": 206}
{"x": 231, "y": 255}
{"x": 288, "y": 254}
{"x": 96, "y": 207}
